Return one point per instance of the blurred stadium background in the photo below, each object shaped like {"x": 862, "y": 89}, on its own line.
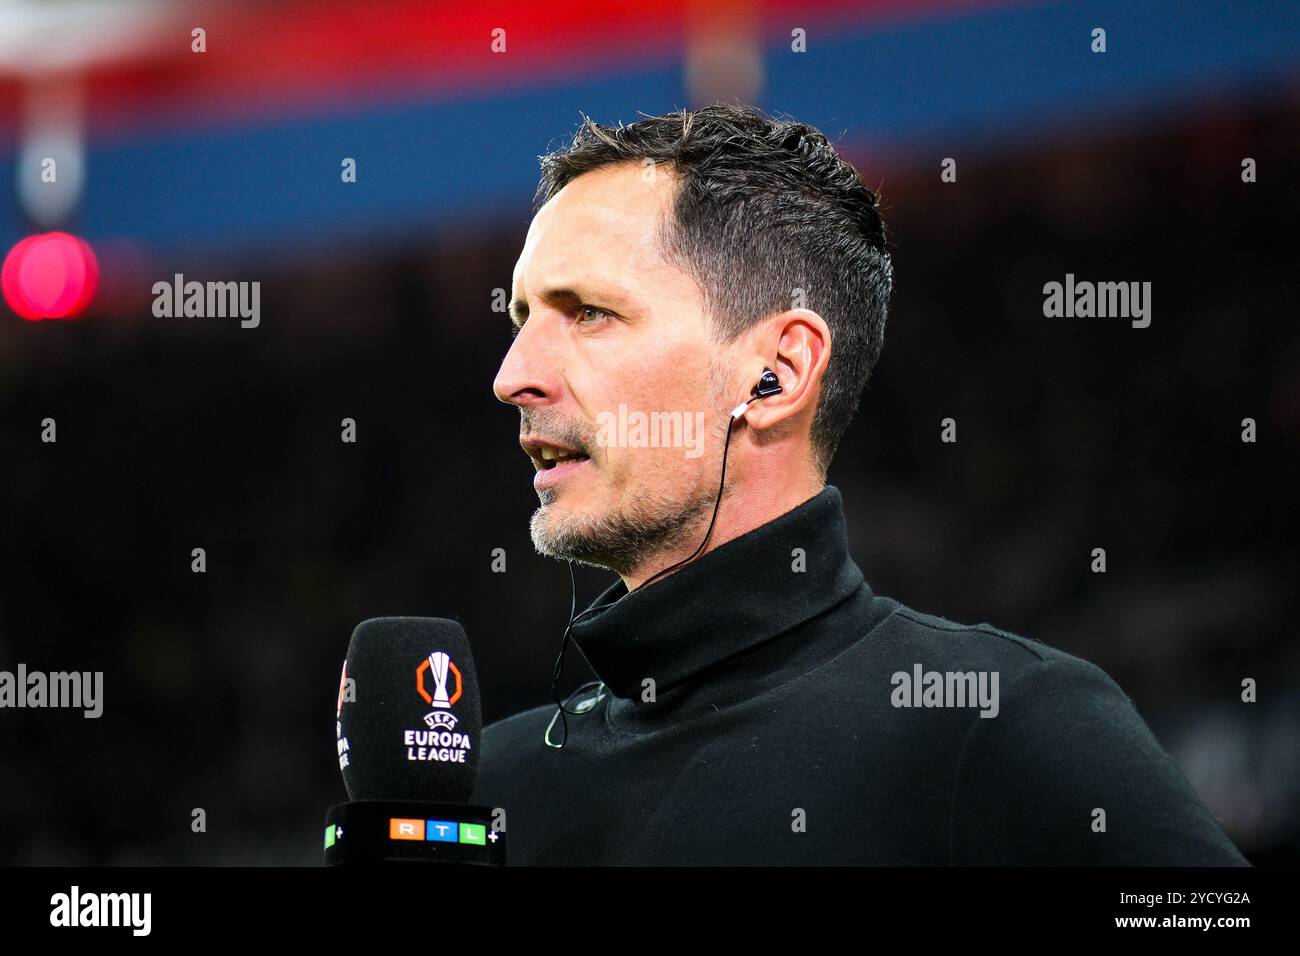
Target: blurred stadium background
{"x": 376, "y": 304}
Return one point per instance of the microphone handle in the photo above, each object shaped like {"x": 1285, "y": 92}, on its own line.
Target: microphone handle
{"x": 412, "y": 831}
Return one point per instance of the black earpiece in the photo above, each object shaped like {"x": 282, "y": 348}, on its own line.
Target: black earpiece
{"x": 768, "y": 384}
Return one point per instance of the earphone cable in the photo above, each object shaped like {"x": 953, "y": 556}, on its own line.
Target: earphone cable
{"x": 573, "y": 603}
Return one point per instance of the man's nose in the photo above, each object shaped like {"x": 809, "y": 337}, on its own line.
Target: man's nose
{"x": 527, "y": 374}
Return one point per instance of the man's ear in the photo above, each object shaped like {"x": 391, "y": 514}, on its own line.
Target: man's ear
{"x": 797, "y": 347}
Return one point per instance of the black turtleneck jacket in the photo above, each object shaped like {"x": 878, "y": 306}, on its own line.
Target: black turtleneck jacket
{"x": 755, "y": 713}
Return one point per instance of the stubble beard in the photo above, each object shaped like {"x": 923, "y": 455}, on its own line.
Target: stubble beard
{"x": 626, "y": 539}
{"x": 622, "y": 540}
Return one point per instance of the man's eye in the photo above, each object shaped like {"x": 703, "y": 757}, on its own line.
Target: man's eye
{"x": 585, "y": 312}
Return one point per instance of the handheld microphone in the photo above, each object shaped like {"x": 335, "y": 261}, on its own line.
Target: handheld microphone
{"x": 408, "y": 725}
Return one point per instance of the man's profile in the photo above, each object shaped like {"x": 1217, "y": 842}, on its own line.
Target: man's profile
{"x": 760, "y": 703}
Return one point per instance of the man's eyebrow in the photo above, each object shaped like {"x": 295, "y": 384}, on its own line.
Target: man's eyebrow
{"x": 518, "y": 312}
{"x": 519, "y": 307}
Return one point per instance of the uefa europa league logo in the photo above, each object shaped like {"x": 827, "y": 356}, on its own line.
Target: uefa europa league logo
{"x": 438, "y": 667}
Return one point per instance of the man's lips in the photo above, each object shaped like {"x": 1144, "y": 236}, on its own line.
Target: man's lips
{"x": 560, "y": 470}
{"x": 552, "y": 460}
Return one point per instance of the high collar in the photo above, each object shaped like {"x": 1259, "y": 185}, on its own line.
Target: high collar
{"x": 738, "y": 596}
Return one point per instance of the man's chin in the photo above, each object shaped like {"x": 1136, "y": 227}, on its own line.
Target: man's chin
{"x": 559, "y": 533}
{"x": 619, "y": 540}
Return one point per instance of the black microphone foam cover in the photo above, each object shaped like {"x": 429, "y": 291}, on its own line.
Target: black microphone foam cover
{"x": 409, "y": 717}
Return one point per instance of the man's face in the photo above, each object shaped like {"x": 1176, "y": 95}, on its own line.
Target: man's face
{"x": 612, "y": 334}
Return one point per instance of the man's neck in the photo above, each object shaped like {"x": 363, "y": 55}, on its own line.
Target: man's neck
{"x": 747, "y": 504}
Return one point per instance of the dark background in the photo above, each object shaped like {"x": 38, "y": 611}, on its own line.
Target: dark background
{"x": 1073, "y": 434}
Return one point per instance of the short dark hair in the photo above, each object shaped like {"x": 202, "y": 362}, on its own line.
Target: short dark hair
{"x": 763, "y": 207}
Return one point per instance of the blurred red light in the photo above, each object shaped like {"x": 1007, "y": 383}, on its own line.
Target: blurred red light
{"x": 49, "y": 276}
